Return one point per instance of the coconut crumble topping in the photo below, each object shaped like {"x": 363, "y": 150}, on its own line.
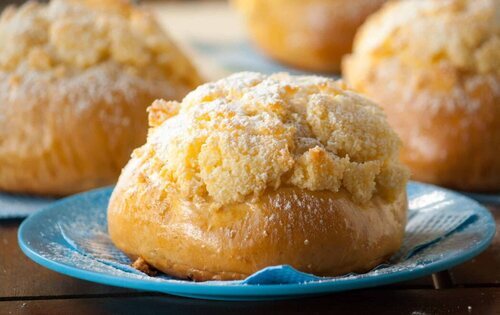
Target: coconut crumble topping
{"x": 438, "y": 55}
{"x": 66, "y": 37}
{"x": 465, "y": 34}
{"x": 241, "y": 135}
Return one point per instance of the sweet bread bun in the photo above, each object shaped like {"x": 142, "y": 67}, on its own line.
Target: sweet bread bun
{"x": 434, "y": 66}
{"x": 255, "y": 170}
{"x": 76, "y": 78}
{"x": 308, "y": 34}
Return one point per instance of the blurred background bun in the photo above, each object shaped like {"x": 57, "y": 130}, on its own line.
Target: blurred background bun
{"x": 434, "y": 65}
{"x": 76, "y": 78}
{"x": 308, "y": 34}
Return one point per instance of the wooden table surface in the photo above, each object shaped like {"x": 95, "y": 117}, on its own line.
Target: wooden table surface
{"x": 28, "y": 288}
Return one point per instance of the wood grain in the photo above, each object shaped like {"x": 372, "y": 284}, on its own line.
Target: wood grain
{"x": 375, "y": 301}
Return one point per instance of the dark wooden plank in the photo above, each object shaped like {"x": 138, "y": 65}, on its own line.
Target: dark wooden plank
{"x": 453, "y": 301}
{"x": 20, "y": 277}
{"x": 442, "y": 280}
{"x": 485, "y": 268}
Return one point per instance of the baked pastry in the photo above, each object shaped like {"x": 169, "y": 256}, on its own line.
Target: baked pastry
{"x": 434, "y": 66}
{"x": 255, "y": 170}
{"x": 308, "y": 34}
{"x": 76, "y": 78}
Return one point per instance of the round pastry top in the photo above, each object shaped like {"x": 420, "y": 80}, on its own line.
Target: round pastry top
{"x": 239, "y": 136}
{"x": 423, "y": 33}
{"x": 67, "y": 36}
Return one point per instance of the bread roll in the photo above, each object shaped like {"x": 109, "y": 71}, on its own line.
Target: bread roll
{"x": 253, "y": 171}
{"x": 76, "y": 78}
{"x": 434, "y": 66}
{"x": 308, "y": 34}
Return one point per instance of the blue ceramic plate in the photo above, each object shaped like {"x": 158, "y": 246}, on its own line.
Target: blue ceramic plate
{"x": 70, "y": 237}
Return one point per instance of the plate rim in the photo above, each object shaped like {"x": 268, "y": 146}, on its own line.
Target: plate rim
{"x": 216, "y": 290}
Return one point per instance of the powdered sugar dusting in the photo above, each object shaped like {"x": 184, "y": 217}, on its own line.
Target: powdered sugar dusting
{"x": 462, "y": 31}
{"x": 93, "y": 86}
{"x": 65, "y": 35}
{"x": 85, "y": 53}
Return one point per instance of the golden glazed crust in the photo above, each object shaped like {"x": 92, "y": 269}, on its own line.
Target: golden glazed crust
{"x": 255, "y": 170}
{"x": 440, "y": 88}
{"x": 73, "y": 94}
{"x": 321, "y": 232}
{"x": 308, "y": 34}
